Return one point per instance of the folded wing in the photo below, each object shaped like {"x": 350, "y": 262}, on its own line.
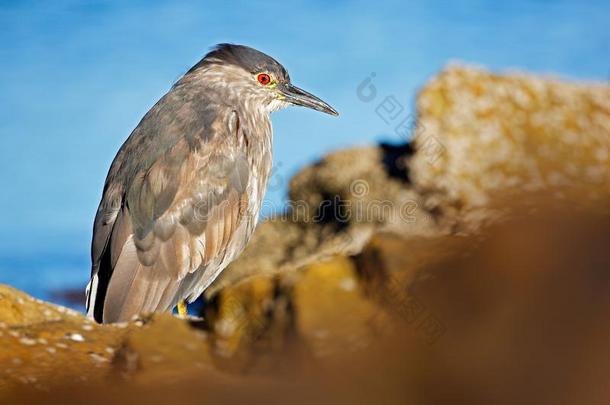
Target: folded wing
{"x": 174, "y": 220}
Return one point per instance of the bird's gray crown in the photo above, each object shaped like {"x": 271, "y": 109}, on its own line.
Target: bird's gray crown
{"x": 245, "y": 57}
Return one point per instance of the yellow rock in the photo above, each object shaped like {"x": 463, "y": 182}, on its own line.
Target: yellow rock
{"x": 332, "y": 313}
{"x": 481, "y": 133}
{"x": 18, "y": 308}
{"x": 43, "y": 345}
{"x": 242, "y": 315}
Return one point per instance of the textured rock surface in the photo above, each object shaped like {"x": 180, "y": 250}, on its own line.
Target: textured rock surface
{"x": 44, "y": 345}
{"x": 481, "y": 133}
{"x": 389, "y": 279}
{"x": 39, "y": 339}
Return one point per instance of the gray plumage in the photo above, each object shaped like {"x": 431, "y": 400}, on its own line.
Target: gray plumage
{"x": 183, "y": 194}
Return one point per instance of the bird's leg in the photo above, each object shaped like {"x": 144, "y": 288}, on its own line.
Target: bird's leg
{"x": 182, "y": 311}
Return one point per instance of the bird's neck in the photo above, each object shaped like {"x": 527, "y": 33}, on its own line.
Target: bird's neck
{"x": 209, "y": 86}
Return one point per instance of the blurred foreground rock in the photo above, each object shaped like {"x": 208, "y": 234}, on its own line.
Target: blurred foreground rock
{"x": 471, "y": 264}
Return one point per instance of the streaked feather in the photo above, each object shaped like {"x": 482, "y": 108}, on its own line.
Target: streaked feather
{"x": 183, "y": 194}
{"x": 179, "y": 222}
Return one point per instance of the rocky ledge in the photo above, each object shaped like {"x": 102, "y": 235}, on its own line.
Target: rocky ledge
{"x": 474, "y": 256}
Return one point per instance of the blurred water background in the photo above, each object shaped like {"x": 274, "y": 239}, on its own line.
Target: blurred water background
{"x": 76, "y": 77}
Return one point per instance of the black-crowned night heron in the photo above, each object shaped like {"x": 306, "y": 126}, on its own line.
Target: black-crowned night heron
{"x": 183, "y": 194}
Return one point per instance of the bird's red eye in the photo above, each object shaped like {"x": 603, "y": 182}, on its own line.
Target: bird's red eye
{"x": 264, "y": 79}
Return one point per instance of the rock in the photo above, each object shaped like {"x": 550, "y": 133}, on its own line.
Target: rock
{"x": 38, "y": 339}
{"x": 243, "y": 314}
{"x": 44, "y": 345}
{"x": 481, "y": 134}
{"x": 332, "y": 313}
{"x": 510, "y": 312}
{"x": 18, "y": 308}
{"x": 161, "y": 348}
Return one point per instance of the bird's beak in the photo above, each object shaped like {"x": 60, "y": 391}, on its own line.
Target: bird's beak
{"x": 296, "y": 96}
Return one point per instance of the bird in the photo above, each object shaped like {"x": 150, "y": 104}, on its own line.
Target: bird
{"x": 183, "y": 194}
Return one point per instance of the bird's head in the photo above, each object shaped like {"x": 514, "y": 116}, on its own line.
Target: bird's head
{"x": 244, "y": 75}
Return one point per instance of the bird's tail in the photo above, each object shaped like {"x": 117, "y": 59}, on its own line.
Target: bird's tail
{"x": 131, "y": 289}
{"x": 90, "y": 294}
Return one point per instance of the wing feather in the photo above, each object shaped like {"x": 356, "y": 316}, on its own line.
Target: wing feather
{"x": 171, "y": 225}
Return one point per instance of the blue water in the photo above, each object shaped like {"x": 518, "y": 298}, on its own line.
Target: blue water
{"x": 76, "y": 76}
{"x": 57, "y": 278}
